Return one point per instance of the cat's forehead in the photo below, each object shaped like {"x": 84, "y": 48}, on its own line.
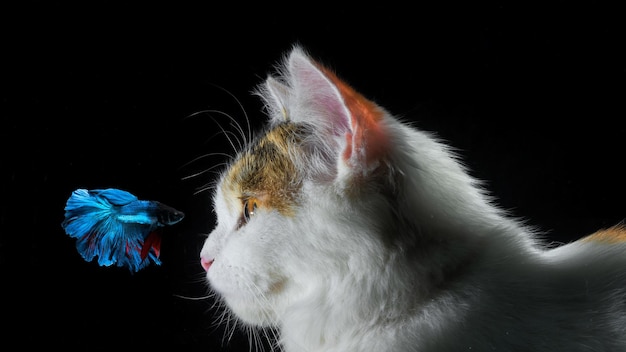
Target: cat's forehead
{"x": 266, "y": 168}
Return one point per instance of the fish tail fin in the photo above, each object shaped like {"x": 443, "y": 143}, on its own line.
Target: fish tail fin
{"x": 87, "y": 219}
{"x": 151, "y": 243}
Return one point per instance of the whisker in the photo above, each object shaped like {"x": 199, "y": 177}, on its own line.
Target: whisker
{"x": 273, "y": 335}
{"x": 233, "y": 123}
{"x": 218, "y": 303}
{"x": 232, "y": 329}
{"x": 229, "y": 135}
{"x": 225, "y": 319}
{"x": 225, "y": 315}
{"x": 243, "y": 110}
{"x": 200, "y": 298}
{"x": 240, "y": 144}
{"x": 206, "y": 188}
{"x": 203, "y": 171}
{"x": 203, "y": 156}
{"x": 252, "y": 337}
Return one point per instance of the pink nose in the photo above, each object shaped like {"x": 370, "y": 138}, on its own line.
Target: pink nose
{"x": 206, "y": 263}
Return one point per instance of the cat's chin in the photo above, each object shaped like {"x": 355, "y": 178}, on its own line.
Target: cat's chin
{"x": 251, "y": 311}
{"x": 255, "y": 305}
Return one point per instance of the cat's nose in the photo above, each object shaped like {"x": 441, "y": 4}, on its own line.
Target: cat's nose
{"x": 206, "y": 263}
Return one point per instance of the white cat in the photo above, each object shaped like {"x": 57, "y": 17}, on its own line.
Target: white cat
{"x": 348, "y": 230}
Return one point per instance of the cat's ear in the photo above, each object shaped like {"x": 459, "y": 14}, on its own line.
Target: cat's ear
{"x": 354, "y": 124}
{"x": 277, "y": 98}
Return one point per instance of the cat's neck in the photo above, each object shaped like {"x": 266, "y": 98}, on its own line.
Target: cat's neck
{"x": 436, "y": 228}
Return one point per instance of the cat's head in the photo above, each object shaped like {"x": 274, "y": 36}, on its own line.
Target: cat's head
{"x": 299, "y": 203}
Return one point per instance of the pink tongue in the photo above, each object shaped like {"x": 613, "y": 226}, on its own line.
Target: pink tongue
{"x": 206, "y": 264}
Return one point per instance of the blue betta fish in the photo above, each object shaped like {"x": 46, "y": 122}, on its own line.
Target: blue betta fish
{"x": 117, "y": 227}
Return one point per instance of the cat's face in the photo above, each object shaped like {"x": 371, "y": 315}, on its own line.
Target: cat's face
{"x": 256, "y": 203}
{"x": 293, "y": 209}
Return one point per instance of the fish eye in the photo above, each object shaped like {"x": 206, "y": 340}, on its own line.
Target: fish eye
{"x": 249, "y": 207}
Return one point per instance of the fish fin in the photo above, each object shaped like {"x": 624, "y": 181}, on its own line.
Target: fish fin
{"x": 87, "y": 219}
{"x": 151, "y": 243}
{"x": 114, "y": 196}
{"x": 92, "y": 219}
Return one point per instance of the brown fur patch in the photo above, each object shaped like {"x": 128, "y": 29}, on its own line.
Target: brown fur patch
{"x": 615, "y": 234}
{"x": 266, "y": 171}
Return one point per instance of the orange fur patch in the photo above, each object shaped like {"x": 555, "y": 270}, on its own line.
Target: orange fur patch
{"x": 266, "y": 172}
{"x": 615, "y": 234}
{"x": 367, "y": 131}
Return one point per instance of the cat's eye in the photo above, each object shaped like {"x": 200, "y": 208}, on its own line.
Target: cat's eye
{"x": 249, "y": 207}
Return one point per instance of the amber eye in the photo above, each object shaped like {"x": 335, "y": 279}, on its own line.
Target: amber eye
{"x": 249, "y": 207}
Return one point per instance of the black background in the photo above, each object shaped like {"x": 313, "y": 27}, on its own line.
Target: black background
{"x": 110, "y": 95}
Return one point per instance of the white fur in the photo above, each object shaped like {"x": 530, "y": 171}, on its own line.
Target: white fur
{"x": 413, "y": 258}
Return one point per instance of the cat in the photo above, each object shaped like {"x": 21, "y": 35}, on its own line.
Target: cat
{"x": 345, "y": 228}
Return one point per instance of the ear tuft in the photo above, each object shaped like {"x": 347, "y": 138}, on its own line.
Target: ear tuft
{"x": 279, "y": 94}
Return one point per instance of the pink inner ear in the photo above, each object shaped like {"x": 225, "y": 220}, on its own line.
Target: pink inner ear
{"x": 367, "y": 137}
{"x": 330, "y": 102}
